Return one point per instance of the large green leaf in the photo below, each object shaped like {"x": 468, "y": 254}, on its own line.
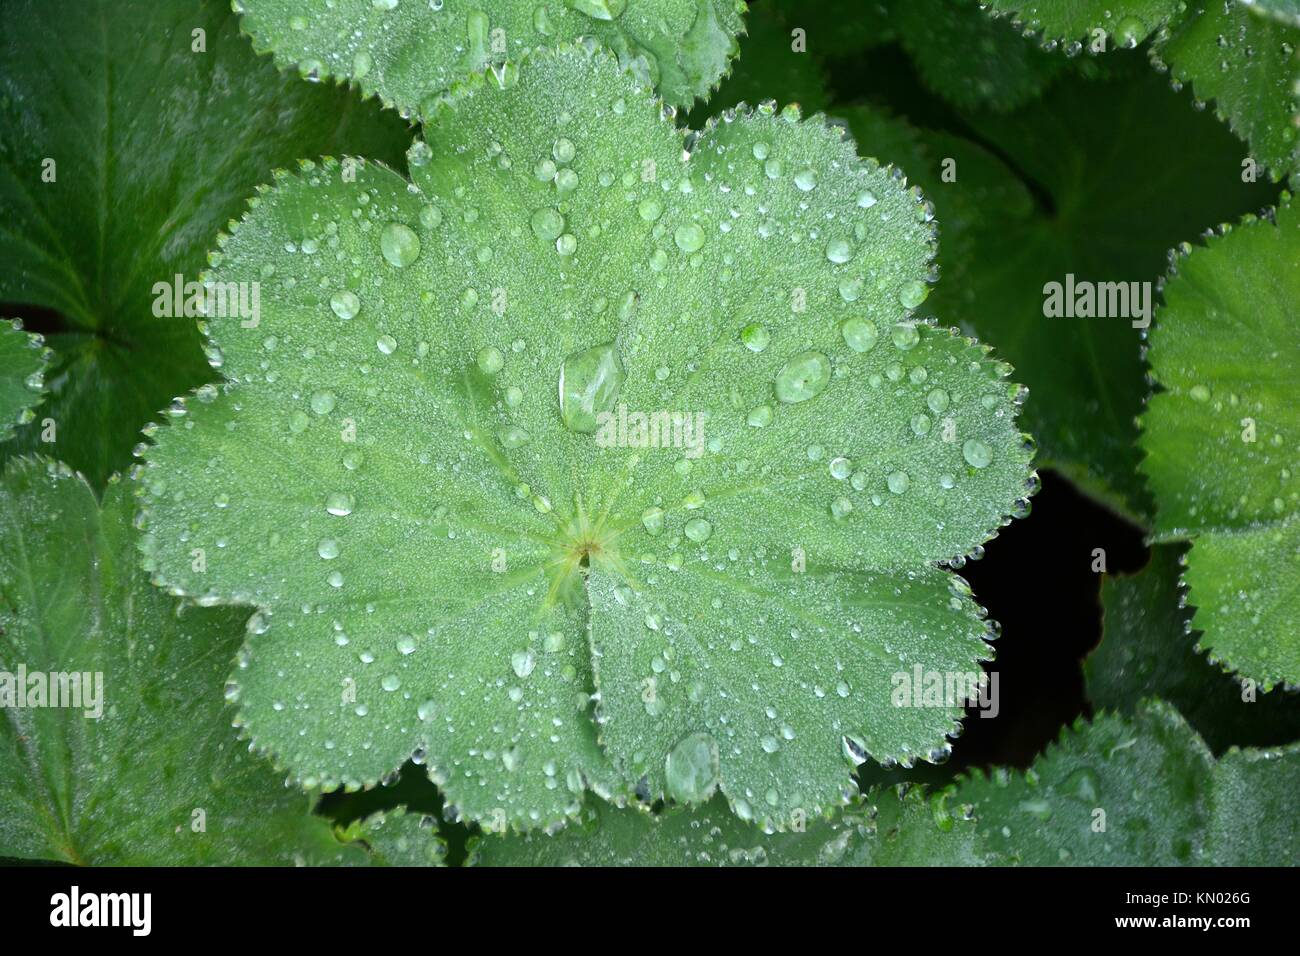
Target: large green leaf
{"x": 888, "y": 827}
{"x": 154, "y": 146}
{"x": 1140, "y": 792}
{"x": 146, "y": 771}
{"x": 403, "y": 475}
{"x": 1222, "y": 440}
{"x": 24, "y": 359}
{"x": 1069, "y": 203}
{"x": 411, "y": 53}
{"x": 1148, "y": 650}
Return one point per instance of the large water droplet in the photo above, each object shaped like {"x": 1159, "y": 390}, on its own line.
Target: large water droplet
{"x": 691, "y": 769}
{"x": 859, "y": 334}
{"x": 589, "y": 385}
{"x": 345, "y": 304}
{"x": 977, "y": 453}
{"x": 803, "y": 377}
{"x": 399, "y": 244}
{"x": 339, "y": 503}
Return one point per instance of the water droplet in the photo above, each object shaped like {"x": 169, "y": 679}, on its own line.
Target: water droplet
{"x": 806, "y": 179}
{"x": 322, "y": 403}
{"x": 339, "y": 503}
{"x": 837, "y": 250}
{"x": 841, "y": 468}
{"x": 803, "y": 377}
{"x": 755, "y": 337}
{"x": 564, "y": 150}
{"x": 406, "y": 644}
{"x": 897, "y": 482}
{"x": 760, "y": 417}
{"x": 938, "y": 401}
{"x": 653, "y": 520}
{"x": 691, "y": 769}
{"x": 650, "y": 209}
{"x": 698, "y": 530}
{"x": 589, "y": 385}
{"x": 490, "y": 360}
{"x": 905, "y": 336}
{"x": 523, "y": 662}
{"x": 386, "y": 344}
{"x": 841, "y": 507}
{"x": 399, "y": 244}
{"x": 913, "y": 294}
{"x": 345, "y": 304}
{"x": 689, "y": 237}
{"x": 328, "y": 548}
{"x": 977, "y": 453}
{"x": 547, "y": 224}
{"x": 859, "y": 334}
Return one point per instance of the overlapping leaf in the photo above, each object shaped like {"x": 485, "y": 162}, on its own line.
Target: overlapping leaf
{"x": 141, "y": 766}
{"x": 1221, "y": 439}
{"x": 887, "y": 827}
{"x": 1148, "y": 649}
{"x": 1070, "y": 202}
{"x": 771, "y": 66}
{"x": 1239, "y": 54}
{"x": 126, "y": 142}
{"x": 23, "y": 362}
{"x": 411, "y": 53}
{"x": 970, "y": 59}
{"x": 1140, "y": 792}
{"x": 454, "y": 548}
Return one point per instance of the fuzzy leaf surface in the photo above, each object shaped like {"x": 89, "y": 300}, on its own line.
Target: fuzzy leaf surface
{"x": 478, "y": 556}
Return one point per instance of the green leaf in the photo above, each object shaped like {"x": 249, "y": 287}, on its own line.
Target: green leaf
{"x": 1242, "y": 55}
{"x": 1148, "y": 650}
{"x": 23, "y": 363}
{"x": 400, "y": 838}
{"x": 1077, "y": 207}
{"x": 420, "y": 447}
{"x": 1125, "y": 23}
{"x": 1253, "y": 821}
{"x": 1220, "y": 438}
{"x": 146, "y": 771}
{"x": 411, "y": 53}
{"x": 1139, "y": 792}
{"x": 1284, "y": 11}
{"x": 768, "y": 68}
{"x": 970, "y": 59}
{"x": 140, "y": 183}
{"x": 1248, "y": 66}
{"x": 888, "y": 827}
